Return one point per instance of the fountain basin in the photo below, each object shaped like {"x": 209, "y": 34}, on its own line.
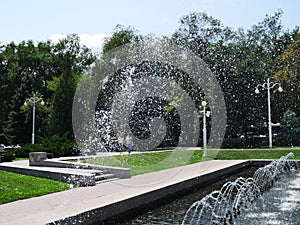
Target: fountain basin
{"x": 225, "y": 205}
{"x": 107, "y": 201}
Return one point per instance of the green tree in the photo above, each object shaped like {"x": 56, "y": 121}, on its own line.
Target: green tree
{"x": 289, "y": 133}
{"x": 52, "y": 70}
{"x": 72, "y": 60}
{"x": 289, "y": 74}
{"x": 240, "y": 59}
{"x": 3, "y": 95}
{"x": 121, "y": 36}
{"x": 25, "y": 69}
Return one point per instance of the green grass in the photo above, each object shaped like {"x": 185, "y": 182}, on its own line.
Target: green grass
{"x": 19, "y": 159}
{"x": 16, "y": 186}
{"x": 149, "y": 162}
{"x": 256, "y": 154}
{"x": 155, "y": 161}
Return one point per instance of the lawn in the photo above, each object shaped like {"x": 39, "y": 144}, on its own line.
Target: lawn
{"x": 150, "y": 161}
{"x": 154, "y": 161}
{"x": 257, "y": 153}
{"x": 16, "y": 186}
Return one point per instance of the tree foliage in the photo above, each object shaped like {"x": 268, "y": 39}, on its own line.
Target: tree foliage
{"x": 25, "y": 69}
{"x": 290, "y": 130}
{"x": 289, "y": 75}
{"x": 121, "y": 36}
{"x": 51, "y": 70}
{"x": 72, "y": 61}
{"x": 240, "y": 59}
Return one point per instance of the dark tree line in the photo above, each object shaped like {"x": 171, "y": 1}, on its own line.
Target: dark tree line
{"x": 242, "y": 59}
{"x": 239, "y": 58}
{"x": 49, "y": 70}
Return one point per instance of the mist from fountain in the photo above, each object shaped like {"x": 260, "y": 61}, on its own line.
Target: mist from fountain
{"x": 225, "y": 205}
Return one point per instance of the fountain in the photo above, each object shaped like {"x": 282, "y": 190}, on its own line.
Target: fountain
{"x": 225, "y": 205}
{"x": 115, "y": 102}
{"x": 144, "y": 91}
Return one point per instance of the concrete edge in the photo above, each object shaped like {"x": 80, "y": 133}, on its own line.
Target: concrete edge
{"x": 101, "y": 214}
{"x": 119, "y": 172}
{"x": 263, "y": 162}
{"x": 70, "y": 178}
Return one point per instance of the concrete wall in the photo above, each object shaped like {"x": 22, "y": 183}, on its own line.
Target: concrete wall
{"x": 127, "y": 206}
{"x": 117, "y": 171}
{"x": 71, "y": 178}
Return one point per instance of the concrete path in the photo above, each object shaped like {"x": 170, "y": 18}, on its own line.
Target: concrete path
{"x": 87, "y": 205}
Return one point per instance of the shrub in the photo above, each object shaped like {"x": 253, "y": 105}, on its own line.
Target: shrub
{"x": 58, "y": 145}
{"x": 248, "y": 142}
{"x": 233, "y": 143}
{"x": 7, "y": 157}
{"x": 289, "y": 134}
{"x": 288, "y": 137}
{"x": 24, "y": 151}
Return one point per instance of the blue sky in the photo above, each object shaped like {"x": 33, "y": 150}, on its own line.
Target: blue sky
{"x": 40, "y": 20}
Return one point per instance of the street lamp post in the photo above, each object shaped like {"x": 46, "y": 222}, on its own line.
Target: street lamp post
{"x": 269, "y": 85}
{"x": 33, "y": 100}
{"x": 205, "y": 114}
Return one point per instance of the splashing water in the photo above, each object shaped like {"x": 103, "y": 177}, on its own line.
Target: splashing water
{"x": 151, "y": 90}
{"x": 224, "y": 206}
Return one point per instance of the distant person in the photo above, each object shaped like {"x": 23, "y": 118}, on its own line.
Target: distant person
{"x": 128, "y": 144}
{"x": 129, "y": 148}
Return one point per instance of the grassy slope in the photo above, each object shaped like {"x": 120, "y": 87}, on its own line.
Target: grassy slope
{"x": 149, "y": 162}
{"x": 256, "y": 154}
{"x": 16, "y": 186}
{"x": 154, "y": 161}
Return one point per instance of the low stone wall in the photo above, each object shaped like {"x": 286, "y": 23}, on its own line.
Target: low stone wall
{"x": 40, "y": 159}
{"x": 81, "y": 180}
{"x": 37, "y": 157}
{"x": 120, "y": 209}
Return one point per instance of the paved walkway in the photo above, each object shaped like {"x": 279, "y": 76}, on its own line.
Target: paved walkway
{"x": 106, "y": 199}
